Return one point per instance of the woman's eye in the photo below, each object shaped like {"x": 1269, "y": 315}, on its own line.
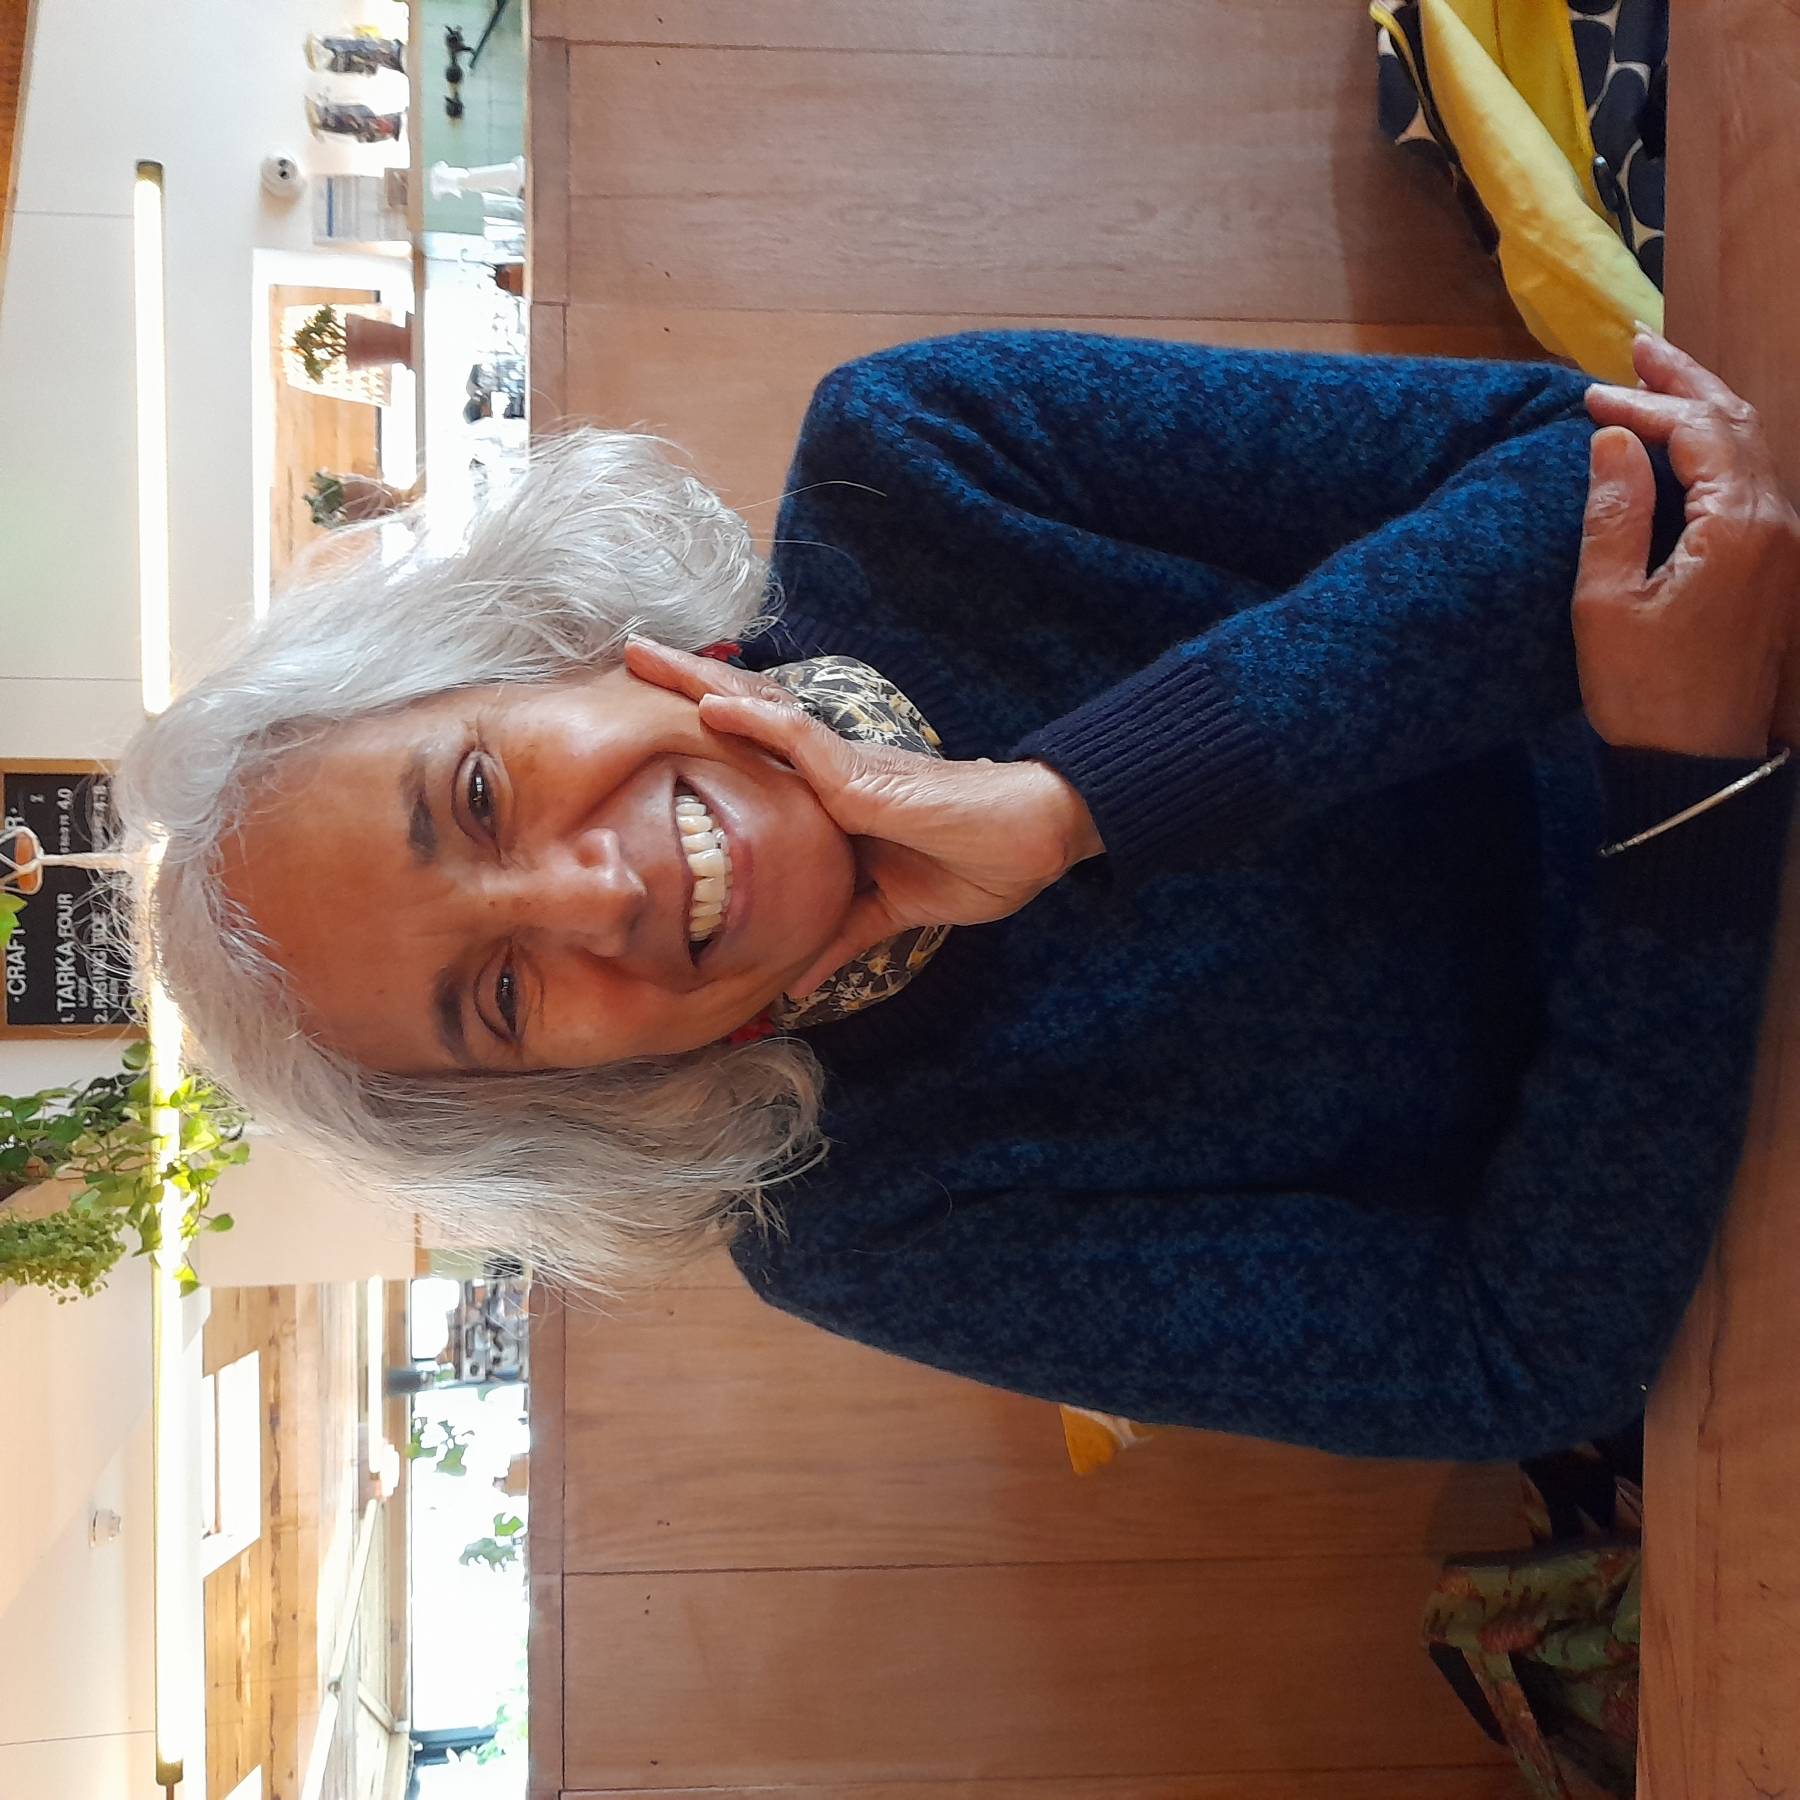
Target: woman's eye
{"x": 480, "y": 795}
{"x": 506, "y": 998}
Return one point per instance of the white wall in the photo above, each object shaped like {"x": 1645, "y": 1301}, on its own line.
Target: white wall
{"x": 76, "y": 1640}
{"x": 75, "y": 1634}
{"x": 208, "y": 91}
{"x": 293, "y": 1223}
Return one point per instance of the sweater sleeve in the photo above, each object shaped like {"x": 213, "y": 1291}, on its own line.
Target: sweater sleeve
{"x": 1530, "y": 1311}
{"x": 1399, "y": 538}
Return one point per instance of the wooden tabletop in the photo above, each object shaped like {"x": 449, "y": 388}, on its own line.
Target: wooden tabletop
{"x": 1721, "y": 1668}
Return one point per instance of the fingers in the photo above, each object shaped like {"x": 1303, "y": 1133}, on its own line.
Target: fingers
{"x": 1667, "y": 370}
{"x": 1615, "y": 530}
{"x": 826, "y": 762}
{"x": 1677, "y": 391}
{"x": 1653, "y": 417}
{"x": 695, "y": 676}
{"x": 780, "y": 726}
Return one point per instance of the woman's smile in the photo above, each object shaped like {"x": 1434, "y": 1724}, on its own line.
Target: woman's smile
{"x": 718, "y": 859}
{"x": 550, "y": 876}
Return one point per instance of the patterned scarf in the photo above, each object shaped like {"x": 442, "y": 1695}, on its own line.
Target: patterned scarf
{"x": 858, "y": 703}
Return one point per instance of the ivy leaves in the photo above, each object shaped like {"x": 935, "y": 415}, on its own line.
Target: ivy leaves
{"x": 105, "y": 1135}
{"x": 501, "y": 1549}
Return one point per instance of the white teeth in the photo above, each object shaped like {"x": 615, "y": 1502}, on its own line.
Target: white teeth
{"x": 704, "y": 846}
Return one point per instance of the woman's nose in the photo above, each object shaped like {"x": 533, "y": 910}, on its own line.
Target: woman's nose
{"x": 581, "y": 889}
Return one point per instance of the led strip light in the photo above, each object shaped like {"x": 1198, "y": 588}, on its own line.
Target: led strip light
{"x": 173, "y": 1607}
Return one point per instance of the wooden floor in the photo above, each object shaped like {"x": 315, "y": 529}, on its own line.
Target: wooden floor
{"x": 765, "y": 1560}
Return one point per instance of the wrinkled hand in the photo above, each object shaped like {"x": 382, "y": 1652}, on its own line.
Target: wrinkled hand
{"x": 1703, "y": 656}
{"x": 937, "y": 842}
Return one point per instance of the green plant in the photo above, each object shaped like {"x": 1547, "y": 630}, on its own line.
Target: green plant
{"x": 325, "y": 498}
{"x": 499, "y": 1551}
{"x": 319, "y": 342}
{"x": 69, "y": 1253}
{"x": 447, "y": 1455}
{"x": 102, "y": 1135}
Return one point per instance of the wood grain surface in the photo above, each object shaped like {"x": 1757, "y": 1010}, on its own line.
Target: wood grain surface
{"x": 705, "y": 1430}
{"x": 1101, "y": 183}
{"x": 15, "y": 46}
{"x": 788, "y": 1564}
{"x": 731, "y": 387}
{"x": 544, "y": 1542}
{"x": 1485, "y": 1782}
{"x": 1720, "y": 1715}
{"x": 1027, "y": 1670}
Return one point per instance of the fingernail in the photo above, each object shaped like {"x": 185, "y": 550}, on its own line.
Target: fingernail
{"x": 1643, "y": 330}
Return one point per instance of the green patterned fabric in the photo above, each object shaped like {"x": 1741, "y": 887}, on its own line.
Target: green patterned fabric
{"x": 860, "y": 703}
{"x": 1541, "y": 1645}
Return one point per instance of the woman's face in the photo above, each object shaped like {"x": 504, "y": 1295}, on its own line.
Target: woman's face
{"x": 496, "y": 879}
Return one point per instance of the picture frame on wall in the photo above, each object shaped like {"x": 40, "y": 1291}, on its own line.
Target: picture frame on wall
{"x": 65, "y": 973}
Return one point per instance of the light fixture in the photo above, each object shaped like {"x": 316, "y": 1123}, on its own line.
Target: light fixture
{"x": 173, "y": 1576}
{"x": 152, "y": 436}
{"x": 168, "y": 1436}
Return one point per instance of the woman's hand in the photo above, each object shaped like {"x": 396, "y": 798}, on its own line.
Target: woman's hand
{"x": 1690, "y": 658}
{"x": 937, "y": 842}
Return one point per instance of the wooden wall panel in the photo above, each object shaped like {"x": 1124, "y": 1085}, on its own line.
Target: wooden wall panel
{"x": 549, "y": 382}
{"x": 313, "y": 431}
{"x": 941, "y": 183}
{"x": 15, "y": 47}
{"x": 544, "y": 1542}
{"x": 1721, "y": 1626}
{"x": 732, "y": 387}
{"x": 1170, "y": 28}
{"x": 781, "y": 1558}
{"x": 262, "y": 1662}
{"x": 547, "y": 170}
{"x": 708, "y": 1431}
{"x": 1025, "y": 1671}
{"x": 1488, "y": 1782}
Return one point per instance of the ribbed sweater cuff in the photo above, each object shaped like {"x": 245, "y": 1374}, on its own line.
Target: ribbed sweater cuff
{"x": 1167, "y": 766}
{"x": 1717, "y": 875}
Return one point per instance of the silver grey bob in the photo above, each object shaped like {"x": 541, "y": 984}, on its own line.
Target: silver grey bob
{"x": 608, "y": 1177}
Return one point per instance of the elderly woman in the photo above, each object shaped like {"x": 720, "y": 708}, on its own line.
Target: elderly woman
{"x": 1334, "y": 1039}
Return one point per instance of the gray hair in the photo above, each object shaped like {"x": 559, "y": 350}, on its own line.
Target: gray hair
{"x": 610, "y": 1177}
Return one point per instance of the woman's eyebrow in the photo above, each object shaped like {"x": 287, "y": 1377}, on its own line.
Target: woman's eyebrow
{"x": 421, "y": 828}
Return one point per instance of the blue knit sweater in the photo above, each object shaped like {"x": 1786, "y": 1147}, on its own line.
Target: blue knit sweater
{"x": 1349, "y": 1099}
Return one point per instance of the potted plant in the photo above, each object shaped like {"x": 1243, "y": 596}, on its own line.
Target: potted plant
{"x": 352, "y": 338}
{"x": 97, "y": 1144}
{"x": 335, "y": 499}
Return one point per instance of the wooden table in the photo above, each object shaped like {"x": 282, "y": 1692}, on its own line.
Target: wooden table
{"x": 1721, "y": 1672}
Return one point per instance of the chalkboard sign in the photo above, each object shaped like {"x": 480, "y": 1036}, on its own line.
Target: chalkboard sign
{"x": 65, "y": 975}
